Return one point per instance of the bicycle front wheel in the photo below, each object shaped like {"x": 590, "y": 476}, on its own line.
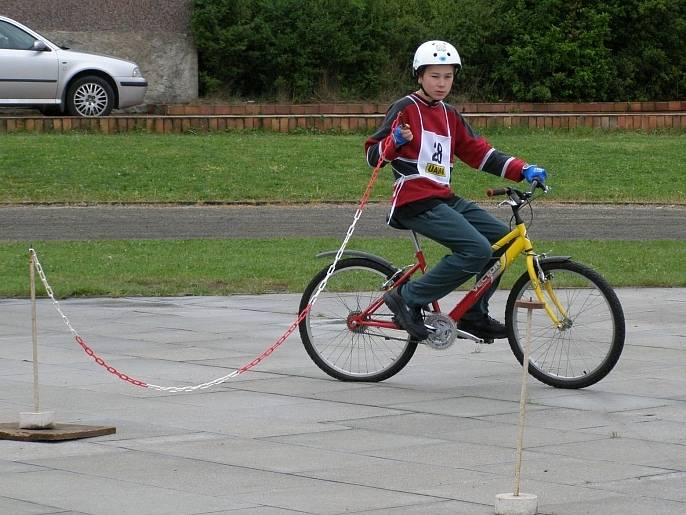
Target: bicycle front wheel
{"x": 586, "y": 344}
{"x": 361, "y": 354}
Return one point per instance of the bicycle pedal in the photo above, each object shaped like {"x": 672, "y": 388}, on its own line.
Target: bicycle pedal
{"x": 464, "y": 335}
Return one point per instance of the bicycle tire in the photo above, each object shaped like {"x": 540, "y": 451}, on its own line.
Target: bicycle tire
{"x": 369, "y": 355}
{"x": 589, "y": 345}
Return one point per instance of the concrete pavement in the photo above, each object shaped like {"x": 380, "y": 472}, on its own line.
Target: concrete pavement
{"x": 439, "y": 437}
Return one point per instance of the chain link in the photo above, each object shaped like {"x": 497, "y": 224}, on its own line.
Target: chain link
{"x": 268, "y": 352}
{"x": 77, "y": 337}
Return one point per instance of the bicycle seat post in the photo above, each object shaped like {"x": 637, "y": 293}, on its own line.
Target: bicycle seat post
{"x": 415, "y": 242}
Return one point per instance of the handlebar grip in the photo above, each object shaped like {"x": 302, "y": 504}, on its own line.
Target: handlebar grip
{"x": 493, "y": 192}
{"x": 538, "y": 184}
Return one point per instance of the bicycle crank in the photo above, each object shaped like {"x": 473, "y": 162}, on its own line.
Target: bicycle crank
{"x": 443, "y": 331}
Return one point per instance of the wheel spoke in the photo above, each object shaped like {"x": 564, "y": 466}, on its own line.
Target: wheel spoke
{"x": 90, "y": 99}
{"x": 363, "y": 353}
{"x": 587, "y": 344}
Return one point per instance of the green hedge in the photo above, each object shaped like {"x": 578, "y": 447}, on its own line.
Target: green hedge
{"x": 519, "y": 50}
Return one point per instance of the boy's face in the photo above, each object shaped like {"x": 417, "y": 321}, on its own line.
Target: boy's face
{"x": 437, "y": 80}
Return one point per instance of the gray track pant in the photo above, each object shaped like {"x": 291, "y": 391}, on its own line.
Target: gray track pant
{"x": 468, "y": 231}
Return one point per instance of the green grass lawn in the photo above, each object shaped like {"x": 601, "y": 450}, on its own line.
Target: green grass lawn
{"x": 221, "y": 267}
{"x": 585, "y": 165}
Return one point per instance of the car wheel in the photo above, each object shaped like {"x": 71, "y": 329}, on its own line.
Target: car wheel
{"x": 90, "y": 96}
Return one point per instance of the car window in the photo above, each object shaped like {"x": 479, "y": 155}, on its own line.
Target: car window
{"x": 14, "y": 38}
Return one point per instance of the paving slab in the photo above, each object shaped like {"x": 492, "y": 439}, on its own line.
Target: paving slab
{"x": 437, "y": 508}
{"x": 624, "y": 451}
{"x": 618, "y": 505}
{"x": 667, "y": 485}
{"x": 284, "y": 438}
{"x": 18, "y": 507}
{"x": 197, "y": 476}
{"x": 95, "y": 494}
{"x": 479, "y": 491}
{"x": 567, "y": 470}
{"x": 329, "y": 497}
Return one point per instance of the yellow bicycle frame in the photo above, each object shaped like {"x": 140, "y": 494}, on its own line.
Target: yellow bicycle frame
{"x": 516, "y": 242}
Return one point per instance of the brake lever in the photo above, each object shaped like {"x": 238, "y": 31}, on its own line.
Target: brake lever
{"x": 536, "y": 184}
{"x": 508, "y": 202}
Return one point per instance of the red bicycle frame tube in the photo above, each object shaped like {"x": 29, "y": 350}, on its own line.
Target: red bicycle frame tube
{"x": 518, "y": 243}
{"x": 365, "y": 319}
{"x": 515, "y": 242}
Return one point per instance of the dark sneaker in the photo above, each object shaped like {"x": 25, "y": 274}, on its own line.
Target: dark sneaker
{"x": 408, "y": 318}
{"x": 486, "y": 328}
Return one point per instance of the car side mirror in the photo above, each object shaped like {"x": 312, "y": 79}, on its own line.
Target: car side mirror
{"x": 39, "y": 46}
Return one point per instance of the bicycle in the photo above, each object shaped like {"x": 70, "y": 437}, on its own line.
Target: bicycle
{"x": 576, "y": 339}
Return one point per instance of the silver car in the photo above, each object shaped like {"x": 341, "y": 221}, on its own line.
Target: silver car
{"x": 36, "y": 72}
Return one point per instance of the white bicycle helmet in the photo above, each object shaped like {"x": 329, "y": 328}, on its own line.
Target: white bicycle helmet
{"x": 435, "y": 52}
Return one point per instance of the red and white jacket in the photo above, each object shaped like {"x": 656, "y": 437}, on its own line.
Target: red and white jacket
{"x": 422, "y": 166}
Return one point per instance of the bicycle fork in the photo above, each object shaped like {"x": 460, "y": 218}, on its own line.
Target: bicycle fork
{"x": 538, "y": 278}
{"x": 515, "y": 244}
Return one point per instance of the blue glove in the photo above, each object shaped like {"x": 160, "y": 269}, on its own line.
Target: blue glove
{"x": 534, "y": 173}
{"x": 398, "y": 137}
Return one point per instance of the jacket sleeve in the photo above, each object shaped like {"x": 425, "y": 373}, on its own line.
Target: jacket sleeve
{"x": 374, "y": 143}
{"x": 478, "y": 153}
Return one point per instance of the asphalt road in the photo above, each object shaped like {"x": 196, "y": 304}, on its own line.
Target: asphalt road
{"x": 595, "y": 222}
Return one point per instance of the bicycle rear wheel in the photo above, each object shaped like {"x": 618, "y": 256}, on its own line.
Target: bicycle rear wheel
{"x": 590, "y": 340}
{"x": 364, "y": 354}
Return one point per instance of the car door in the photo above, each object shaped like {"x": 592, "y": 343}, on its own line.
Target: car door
{"x": 26, "y": 75}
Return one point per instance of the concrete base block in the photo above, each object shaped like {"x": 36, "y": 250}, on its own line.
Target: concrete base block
{"x": 58, "y": 432}
{"x": 39, "y": 420}
{"x": 511, "y": 504}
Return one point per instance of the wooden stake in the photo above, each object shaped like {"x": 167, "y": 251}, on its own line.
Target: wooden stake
{"x": 34, "y": 332}
{"x": 529, "y": 305}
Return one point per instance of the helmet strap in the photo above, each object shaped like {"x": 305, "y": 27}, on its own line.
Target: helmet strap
{"x": 432, "y": 100}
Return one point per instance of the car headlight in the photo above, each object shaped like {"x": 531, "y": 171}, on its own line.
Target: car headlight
{"x": 137, "y": 72}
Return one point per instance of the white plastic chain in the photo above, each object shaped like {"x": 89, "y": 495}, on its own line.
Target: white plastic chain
{"x": 247, "y": 366}
{"x": 49, "y": 291}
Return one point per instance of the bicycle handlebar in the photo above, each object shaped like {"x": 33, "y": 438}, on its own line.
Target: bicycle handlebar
{"x": 495, "y": 192}
{"x": 536, "y": 184}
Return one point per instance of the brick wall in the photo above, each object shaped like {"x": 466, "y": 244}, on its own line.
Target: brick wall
{"x": 380, "y": 108}
{"x": 361, "y": 122}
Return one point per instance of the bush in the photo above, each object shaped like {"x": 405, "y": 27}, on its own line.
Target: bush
{"x": 521, "y": 50}
{"x": 558, "y": 53}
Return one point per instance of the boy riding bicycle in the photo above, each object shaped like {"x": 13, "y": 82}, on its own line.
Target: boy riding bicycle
{"x": 420, "y": 150}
